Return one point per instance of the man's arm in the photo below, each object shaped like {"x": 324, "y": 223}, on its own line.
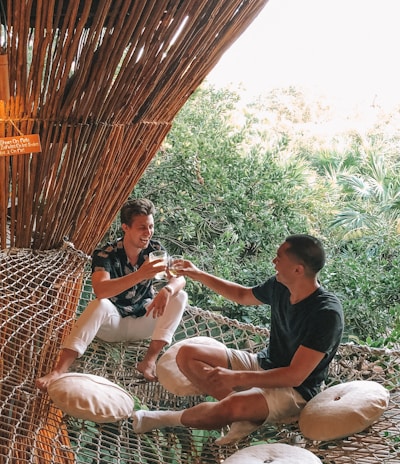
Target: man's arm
{"x": 175, "y": 284}
{"x": 304, "y": 361}
{"x": 230, "y": 290}
{"x": 105, "y": 287}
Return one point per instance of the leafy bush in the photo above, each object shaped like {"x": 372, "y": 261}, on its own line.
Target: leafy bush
{"x": 230, "y": 185}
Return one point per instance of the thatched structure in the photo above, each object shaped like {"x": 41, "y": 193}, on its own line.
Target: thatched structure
{"x": 100, "y": 81}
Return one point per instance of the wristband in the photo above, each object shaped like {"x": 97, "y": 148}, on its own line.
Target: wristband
{"x": 169, "y": 289}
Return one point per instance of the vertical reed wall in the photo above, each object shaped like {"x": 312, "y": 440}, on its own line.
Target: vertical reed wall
{"x": 100, "y": 81}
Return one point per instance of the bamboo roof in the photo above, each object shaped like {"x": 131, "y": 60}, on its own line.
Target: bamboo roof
{"x": 100, "y": 82}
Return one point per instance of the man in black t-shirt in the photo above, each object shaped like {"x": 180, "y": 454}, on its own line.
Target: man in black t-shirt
{"x": 274, "y": 384}
{"x": 126, "y": 307}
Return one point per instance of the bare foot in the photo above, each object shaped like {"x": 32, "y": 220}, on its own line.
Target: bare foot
{"x": 148, "y": 370}
{"x": 238, "y": 430}
{"x": 43, "y": 382}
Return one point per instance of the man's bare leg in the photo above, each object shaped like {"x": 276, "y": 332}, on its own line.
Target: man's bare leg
{"x": 148, "y": 365}
{"x": 246, "y": 410}
{"x": 201, "y": 416}
{"x": 192, "y": 362}
{"x": 67, "y": 357}
{"x": 249, "y": 405}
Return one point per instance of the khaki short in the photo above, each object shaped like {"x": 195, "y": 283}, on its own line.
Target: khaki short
{"x": 284, "y": 404}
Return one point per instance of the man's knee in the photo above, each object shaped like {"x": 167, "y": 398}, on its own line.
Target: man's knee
{"x": 181, "y": 297}
{"x": 230, "y": 409}
{"x": 185, "y": 355}
{"x": 239, "y": 407}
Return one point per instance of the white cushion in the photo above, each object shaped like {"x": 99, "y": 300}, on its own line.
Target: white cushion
{"x": 343, "y": 410}
{"x": 274, "y": 453}
{"x": 168, "y": 372}
{"x": 90, "y": 397}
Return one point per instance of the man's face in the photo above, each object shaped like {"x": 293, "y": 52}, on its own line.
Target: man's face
{"x": 285, "y": 264}
{"x": 139, "y": 233}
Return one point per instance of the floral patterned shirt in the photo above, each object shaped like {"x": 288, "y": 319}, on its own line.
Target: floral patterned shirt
{"x": 112, "y": 258}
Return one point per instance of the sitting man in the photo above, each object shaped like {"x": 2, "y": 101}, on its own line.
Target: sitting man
{"x": 274, "y": 384}
{"x": 126, "y": 307}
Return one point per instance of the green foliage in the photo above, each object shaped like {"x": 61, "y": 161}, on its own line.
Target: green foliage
{"x": 371, "y": 194}
{"x": 225, "y": 208}
{"x": 360, "y": 274}
{"x": 230, "y": 183}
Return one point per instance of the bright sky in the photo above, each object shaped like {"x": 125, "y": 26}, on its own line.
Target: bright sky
{"x": 346, "y": 49}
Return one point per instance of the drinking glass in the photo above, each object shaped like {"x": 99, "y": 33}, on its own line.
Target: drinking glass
{"x": 174, "y": 263}
{"x": 159, "y": 254}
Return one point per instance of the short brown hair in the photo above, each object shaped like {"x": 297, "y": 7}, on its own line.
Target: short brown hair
{"x": 136, "y": 207}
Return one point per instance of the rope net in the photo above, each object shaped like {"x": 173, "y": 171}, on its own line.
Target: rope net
{"x": 41, "y": 294}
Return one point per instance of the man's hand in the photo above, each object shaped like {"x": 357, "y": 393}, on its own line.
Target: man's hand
{"x": 150, "y": 268}
{"x": 219, "y": 376}
{"x": 158, "y": 304}
{"x": 188, "y": 269}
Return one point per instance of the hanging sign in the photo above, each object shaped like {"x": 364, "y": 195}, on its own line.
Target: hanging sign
{"x": 20, "y": 145}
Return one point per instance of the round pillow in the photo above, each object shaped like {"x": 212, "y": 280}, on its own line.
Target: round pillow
{"x": 90, "y": 397}
{"x": 274, "y": 453}
{"x": 168, "y": 372}
{"x": 343, "y": 410}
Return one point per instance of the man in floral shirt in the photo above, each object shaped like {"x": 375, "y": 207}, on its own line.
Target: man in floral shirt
{"x": 126, "y": 306}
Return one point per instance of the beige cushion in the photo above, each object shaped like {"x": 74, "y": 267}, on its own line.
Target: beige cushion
{"x": 343, "y": 410}
{"x": 168, "y": 372}
{"x": 90, "y": 397}
{"x": 275, "y": 453}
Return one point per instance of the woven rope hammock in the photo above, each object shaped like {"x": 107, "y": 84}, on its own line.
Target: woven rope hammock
{"x": 42, "y": 291}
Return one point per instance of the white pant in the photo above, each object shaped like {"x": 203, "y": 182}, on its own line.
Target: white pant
{"x": 102, "y": 319}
